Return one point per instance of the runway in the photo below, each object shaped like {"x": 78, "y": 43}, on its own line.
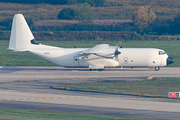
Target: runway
{"x": 30, "y": 88}
{"x": 9, "y": 73}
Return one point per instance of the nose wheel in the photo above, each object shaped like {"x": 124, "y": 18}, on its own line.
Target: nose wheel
{"x": 157, "y": 68}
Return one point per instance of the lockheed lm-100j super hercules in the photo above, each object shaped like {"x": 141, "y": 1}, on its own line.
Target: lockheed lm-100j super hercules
{"x": 98, "y": 57}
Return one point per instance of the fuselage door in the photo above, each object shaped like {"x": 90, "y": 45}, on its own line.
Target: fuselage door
{"x": 76, "y": 61}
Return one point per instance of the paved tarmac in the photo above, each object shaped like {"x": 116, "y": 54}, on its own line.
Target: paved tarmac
{"x": 9, "y": 73}
{"x": 30, "y": 88}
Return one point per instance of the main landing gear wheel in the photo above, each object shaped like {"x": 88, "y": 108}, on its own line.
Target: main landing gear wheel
{"x": 100, "y": 69}
{"x": 96, "y": 69}
{"x": 157, "y": 68}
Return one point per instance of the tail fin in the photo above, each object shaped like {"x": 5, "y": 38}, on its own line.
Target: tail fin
{"x": 21, "y": 38}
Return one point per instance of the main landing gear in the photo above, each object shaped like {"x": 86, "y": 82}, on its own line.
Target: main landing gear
{"x": 96, "y": 69}
{"x": 157, "y": 68}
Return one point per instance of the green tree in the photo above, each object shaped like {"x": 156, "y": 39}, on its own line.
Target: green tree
{"x": 175, "y": 25}
{"x": 6, "y": 24}
{"x": 144, "y": 17}
{"x": 66, "y": 14}
{"x": 30, "y": 21}
{"x": 85, "y": 13}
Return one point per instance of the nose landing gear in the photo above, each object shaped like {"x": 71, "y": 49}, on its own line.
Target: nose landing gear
{"x": 157, "y": 68}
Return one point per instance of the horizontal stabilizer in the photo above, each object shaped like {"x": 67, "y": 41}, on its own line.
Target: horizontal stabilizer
{"x": 24, "y": 50}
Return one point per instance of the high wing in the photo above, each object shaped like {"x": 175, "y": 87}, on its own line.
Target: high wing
{"x": 98, "y": 50}
{"x": 95, "y": 50}
{"x": 98, "y": 57}
{"x": 102, "y": 50}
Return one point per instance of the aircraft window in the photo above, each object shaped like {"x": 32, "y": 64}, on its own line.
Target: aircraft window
{"x": 161, "y": 53}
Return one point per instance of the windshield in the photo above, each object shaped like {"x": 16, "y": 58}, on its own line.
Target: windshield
{"x": 161, "y": 53}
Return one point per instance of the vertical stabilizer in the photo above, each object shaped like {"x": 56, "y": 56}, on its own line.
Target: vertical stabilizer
{"x": 21, "y": 36}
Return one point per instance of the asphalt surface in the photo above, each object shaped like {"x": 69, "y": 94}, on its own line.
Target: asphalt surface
{"x": 9, "y": 73}
{"x": 91, "y": 110}
{"x": 30, "y": 88}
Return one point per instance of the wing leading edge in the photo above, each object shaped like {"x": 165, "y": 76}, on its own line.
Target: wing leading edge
{"x": 95, "y": 50}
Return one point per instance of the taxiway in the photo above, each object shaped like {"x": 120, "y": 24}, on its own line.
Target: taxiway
{"x": 30, "y": 88}
{"x": 11, "y": 73}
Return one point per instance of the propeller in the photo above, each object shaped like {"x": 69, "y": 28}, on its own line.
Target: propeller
{"x": 116, "y": 53}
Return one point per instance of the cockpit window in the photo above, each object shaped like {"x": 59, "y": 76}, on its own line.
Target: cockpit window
{"x": 161, "y": 53}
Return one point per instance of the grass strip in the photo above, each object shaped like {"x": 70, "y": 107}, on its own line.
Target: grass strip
{"x": 24, "y": 114}
{"x": 153, "y": 88}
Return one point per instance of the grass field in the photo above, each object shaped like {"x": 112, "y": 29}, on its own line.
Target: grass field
{"x": 9, "y": 58}
{"x": 153, "y": 88}
{"x": 23, "y": 114}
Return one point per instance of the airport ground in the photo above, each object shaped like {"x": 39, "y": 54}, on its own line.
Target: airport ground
{"x": 29, "y": 87}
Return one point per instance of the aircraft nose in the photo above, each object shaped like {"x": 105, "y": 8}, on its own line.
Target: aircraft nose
{"x": 170, "y": 60}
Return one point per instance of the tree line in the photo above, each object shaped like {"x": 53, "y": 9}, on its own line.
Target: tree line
{"x": 55, "y": 2}
{"x": 144, "y": 22}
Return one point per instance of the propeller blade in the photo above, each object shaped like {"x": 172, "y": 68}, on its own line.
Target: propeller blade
{"x": 120, "y": 46}
{"x": 120, "y": 43}
{"x": 116, "y": 53}
{"x": 116, "y": 58}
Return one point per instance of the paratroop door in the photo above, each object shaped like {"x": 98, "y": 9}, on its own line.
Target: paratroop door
{"x": 76, "y": 61}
